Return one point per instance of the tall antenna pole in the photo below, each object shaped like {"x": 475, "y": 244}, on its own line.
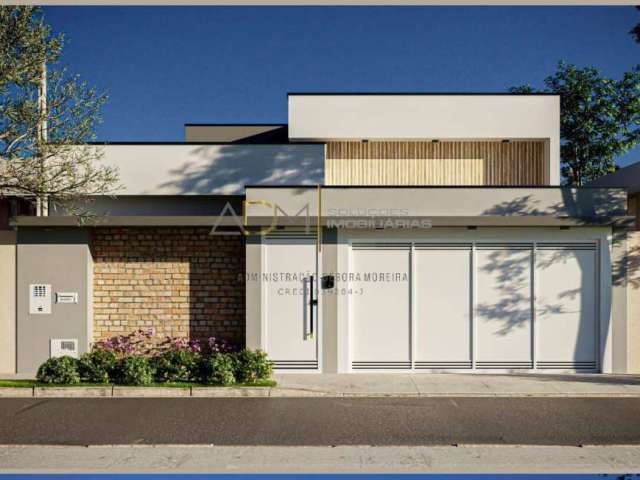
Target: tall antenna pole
{"x": 42, "y": 207}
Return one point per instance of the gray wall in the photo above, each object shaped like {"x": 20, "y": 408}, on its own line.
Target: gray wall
{"x": 60, "y": 258}
{"x": 143, "y": 205}
{"x": 442, "y": 201}
{"x": 236, "y": 133}
{"x": 329, "y": 303}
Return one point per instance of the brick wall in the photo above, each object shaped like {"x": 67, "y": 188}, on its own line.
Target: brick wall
{"x": 181, "y": 281}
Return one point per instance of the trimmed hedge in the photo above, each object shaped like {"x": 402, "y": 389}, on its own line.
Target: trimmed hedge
{"x": 133, "y": 370}
{"x": 59, "y": 370}
{"x": 97, "y": 366}
{"x": 176, "y": 366}
{"x": 102, "y": 366}
{"x": 253, "y": 365}
{"x": 218, "y": 369}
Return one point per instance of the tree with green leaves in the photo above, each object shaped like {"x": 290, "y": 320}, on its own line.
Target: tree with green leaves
{"x": 47, "y": 117}
{"x": 599, "y": 119}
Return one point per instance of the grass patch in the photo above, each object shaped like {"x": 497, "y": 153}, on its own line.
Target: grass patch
{"x": 34, "y": 383}
{"x": 261, "y": 383}
{"x": 18, "y": 383}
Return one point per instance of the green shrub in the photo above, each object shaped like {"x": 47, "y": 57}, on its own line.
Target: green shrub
{"x": 97, "y": 366}
{"x": 218, "y": 369}
{"x": 133, "y": 370}
{"x": 176, "y": 365}
{"x": 252, "y": 365}
{"x": 59, "y": 370}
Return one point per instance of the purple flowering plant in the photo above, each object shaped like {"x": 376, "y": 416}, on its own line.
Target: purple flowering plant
{"x": 181, "y": 343}
{"x": 135, "y": 343}
{"x": 221, "y": 345}
{"x": 140, "y": 342}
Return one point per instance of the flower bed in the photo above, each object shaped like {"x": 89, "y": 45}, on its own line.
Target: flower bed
{"x": 134, "y": 361}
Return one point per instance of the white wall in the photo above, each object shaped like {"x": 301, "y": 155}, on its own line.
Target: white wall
{"x": 7, "y": 302}
{"x": 212, "y": 169}
{"x": 412, "y": 117}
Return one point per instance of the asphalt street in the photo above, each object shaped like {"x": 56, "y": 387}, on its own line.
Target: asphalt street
{"x": 321, "y": 421}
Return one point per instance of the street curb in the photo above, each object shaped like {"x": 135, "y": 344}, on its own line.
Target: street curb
{"x": 153, "y": 392}
{"x": 214, "y": 392}
{"x": 12, "y": 392}
{"x": 269, "y": 392}
{"x": 73, "y": 392}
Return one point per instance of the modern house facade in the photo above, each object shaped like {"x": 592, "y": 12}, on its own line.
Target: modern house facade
{"x": 629, "y": 178}
{"x": 373, "y": 232}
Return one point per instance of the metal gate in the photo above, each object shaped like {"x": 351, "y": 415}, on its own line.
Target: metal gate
{"x": 474, "y": 306}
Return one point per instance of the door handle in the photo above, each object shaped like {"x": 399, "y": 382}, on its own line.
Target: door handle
{"x": 312, "y": 303}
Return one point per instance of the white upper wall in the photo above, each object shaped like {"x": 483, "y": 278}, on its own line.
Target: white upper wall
{"x": 325, "y": 117}
{"x": 189, "y": 169}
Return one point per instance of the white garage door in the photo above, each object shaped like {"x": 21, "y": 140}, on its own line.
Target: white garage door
{"x": 503, "y": 306}
{"x": 381, "y": 303}
{"x": 567, "y": 306}
{"x": 442, "y": 285}
{"x": 474, "y": 306}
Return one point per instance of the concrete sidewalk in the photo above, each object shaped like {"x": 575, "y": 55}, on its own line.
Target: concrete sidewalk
{"x": 339, "y": 459}
{"x": 457, "y": 384}
{"x": 375, "y": 385}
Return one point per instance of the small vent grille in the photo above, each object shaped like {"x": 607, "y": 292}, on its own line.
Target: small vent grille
{"x": 443, "y": 246}
{"x": 293, "y": 234}
{"x": 566, "y": 246}
{"x": 504, "y": 365}
{"x": 295, "y": 364}
{"x": 504, "y": 246}
{"x": 381, "y": 246}
{"x": 381, "y": 365}
{"x": 466, "y": 364}
{"x": 585, "y": 365}
{"x": 64, "y": 347}
{"x": 68, "y": 346}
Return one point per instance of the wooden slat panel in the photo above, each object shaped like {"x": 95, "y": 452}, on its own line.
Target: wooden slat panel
{"x": 428, "y": 163}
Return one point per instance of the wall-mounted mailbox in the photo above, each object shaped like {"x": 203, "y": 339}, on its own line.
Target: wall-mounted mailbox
{"x": 39, "y": 299}
{"x": 66, "y": 297}
{"x": 328, "y": 282}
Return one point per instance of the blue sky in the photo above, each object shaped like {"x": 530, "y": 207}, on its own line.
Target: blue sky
{"x": 166, "y": 66}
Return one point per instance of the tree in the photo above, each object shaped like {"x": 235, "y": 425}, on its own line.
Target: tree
{"x": 636, "y": 30}
{"x": 599, "y": 119}
{"x": 47, "y": 118}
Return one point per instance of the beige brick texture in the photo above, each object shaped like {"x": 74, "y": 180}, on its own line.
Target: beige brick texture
{"x": 183, "y": 282}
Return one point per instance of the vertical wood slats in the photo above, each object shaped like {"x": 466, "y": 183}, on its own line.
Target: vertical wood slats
{"x": 428, "y": 163}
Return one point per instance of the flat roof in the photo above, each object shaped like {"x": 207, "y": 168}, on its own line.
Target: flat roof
{"x": 210, "y": 221}
{"x": 514, "y": 94}
{"x": 475, "y": 187}
{"x": 626, "y": 177}
{"x": 107, "y": 142}
{"x": 235, "y": 124}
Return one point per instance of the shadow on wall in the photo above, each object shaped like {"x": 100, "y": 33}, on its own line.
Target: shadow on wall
{"x": 228, "y": 168}
{"x": 511, "y": 276}
{"x": 582, "y": 203}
